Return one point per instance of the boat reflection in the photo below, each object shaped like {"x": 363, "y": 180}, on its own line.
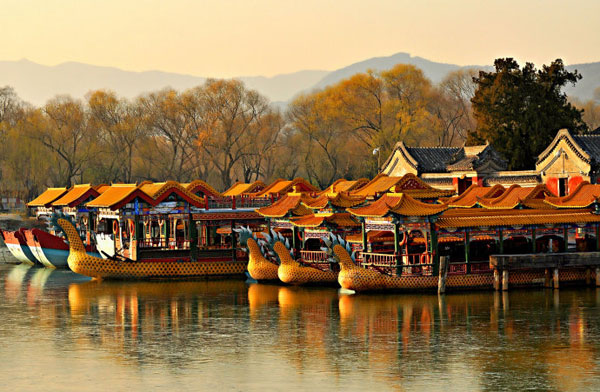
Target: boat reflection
{"x": 545, "y": 340}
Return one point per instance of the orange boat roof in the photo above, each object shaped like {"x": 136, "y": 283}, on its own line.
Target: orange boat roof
{"x": 341, "y": 200}
{"x": 398, "y": 204}
{"x": 289, "y": 204}
{"x": 341, "y": 219}
{"x": 77, "y": 193}
{"x": 201, "y": 186}
{"x": 409, "y": 184}
{"x": 240, "y": 188}
{"x": 281, "y": 186}
{"x": 118, "y": 194}
{"x": 516, "y": 195}
{"x": 479, "y": 217}
{"x": 47, "y": 197}
{"x": 472, "y": 194}
{"x": 343, "y": 185}
{"x": 583, "y": 196}
{"x": 161, "y": 190}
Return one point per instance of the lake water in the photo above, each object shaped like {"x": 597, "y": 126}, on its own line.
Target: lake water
{"x": 61, "y": 332}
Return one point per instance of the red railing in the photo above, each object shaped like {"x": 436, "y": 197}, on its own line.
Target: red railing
{"x": 457, "y": 269}
{"x": 314, "y": 256}
{"x": 475, "y": 268}
{"x": 478, "y": 268}
{"x": 236, "y": 202}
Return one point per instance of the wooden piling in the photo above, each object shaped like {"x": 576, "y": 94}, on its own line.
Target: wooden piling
{"x": 497, "y": 282}
{"x": 555, "y": 280}
{"x": 588, "y": 276}
{"x": 547, "y": 278}
{"x": 443, "y": 274}
{"x": 504, "y": 280}
{"x": 597, "y": 276}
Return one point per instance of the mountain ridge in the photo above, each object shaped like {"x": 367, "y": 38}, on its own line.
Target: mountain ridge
{"x": 36, "y": 83}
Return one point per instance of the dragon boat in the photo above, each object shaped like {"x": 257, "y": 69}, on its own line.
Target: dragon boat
{"x": 121, "y": 268}
{"x": 283, "y": 267}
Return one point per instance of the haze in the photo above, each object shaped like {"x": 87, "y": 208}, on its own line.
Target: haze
{"x": 228, "y": 38}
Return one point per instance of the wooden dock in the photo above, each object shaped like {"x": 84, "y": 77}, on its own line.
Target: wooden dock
{"x": 551, "y": 263}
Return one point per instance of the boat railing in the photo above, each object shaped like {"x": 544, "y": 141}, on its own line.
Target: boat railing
{"x": 179, "y": 243}
{"x": 476, "y": 267}
{"x": 153, "y": 243}
{"x": 247, "y": 202}
{"x": 402, "y": 263}
{"x": 314, "y": 256}
{"x": 219, "y": 203}
{"x": 236, "y": 202}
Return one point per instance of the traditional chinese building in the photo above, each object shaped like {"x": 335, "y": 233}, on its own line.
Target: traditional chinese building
{"x": 456, "y": 168}
{"x": 569, "y": 160}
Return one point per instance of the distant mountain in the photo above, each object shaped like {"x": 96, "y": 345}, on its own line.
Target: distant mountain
{"x": 432, "y": 70}
{"x": 437, "y": 71}
{"x": 37, "y": 83}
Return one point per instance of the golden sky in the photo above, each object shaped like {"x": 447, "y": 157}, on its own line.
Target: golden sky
{"x": 224, "y": 38}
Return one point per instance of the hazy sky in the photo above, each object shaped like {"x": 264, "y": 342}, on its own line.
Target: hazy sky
{"x": 226, "y": 38}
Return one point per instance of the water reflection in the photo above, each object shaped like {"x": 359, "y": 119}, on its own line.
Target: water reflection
{"x": 254, "y": 336}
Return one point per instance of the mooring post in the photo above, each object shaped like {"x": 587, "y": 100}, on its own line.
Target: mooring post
{"x": 497, "y": 282}
{"x": 443, "y": 274}
{"x": 504, "y": 280}
{"x": 597, "y": 276}
{"x": 556, "y": 278}
{"x": 547, "y": 278}
{"x": 588, "y": 276}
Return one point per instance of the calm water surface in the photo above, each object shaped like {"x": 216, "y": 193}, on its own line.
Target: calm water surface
{"x": 60, "y": 331}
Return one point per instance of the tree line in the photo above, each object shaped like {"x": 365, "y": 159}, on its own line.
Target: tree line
{"x": 223, "y": 132}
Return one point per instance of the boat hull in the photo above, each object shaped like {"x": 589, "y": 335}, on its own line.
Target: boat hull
{"x": 15, "y": 242}
{"x": 49, "y": 249}
{"x": 99, "y": 268}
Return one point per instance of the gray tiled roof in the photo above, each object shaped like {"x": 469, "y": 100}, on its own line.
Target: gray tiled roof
{"x": 590, "y": 144}
{"x": 432, "y": 159}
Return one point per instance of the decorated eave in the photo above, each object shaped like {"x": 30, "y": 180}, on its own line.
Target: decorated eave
{"x": 240, "y": 188}
{"x": 585, "y": 195}
{"x": 343, "y": 185}
{"x": 118, "y": 195}
{"x": 416, "y": 188}
{"x": 339, "y": 219}
{"x": 472, "y": 194}
{"x": 517, "y": 196}
{"x": 289, "y": 205}
{"x": 409, "y": 184}
{"x": 160, "y": 191}
{"x": 516, "y": 219}
{"x": 398, "y": 204}
{"x": 47, "y": 197}
{"x": 201, "y": 188}
{"x": 372, "y": 236}
{"x": 341, "y": 200}
{"x": 280, "y": 187}
{"x": 77, "y": 195}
